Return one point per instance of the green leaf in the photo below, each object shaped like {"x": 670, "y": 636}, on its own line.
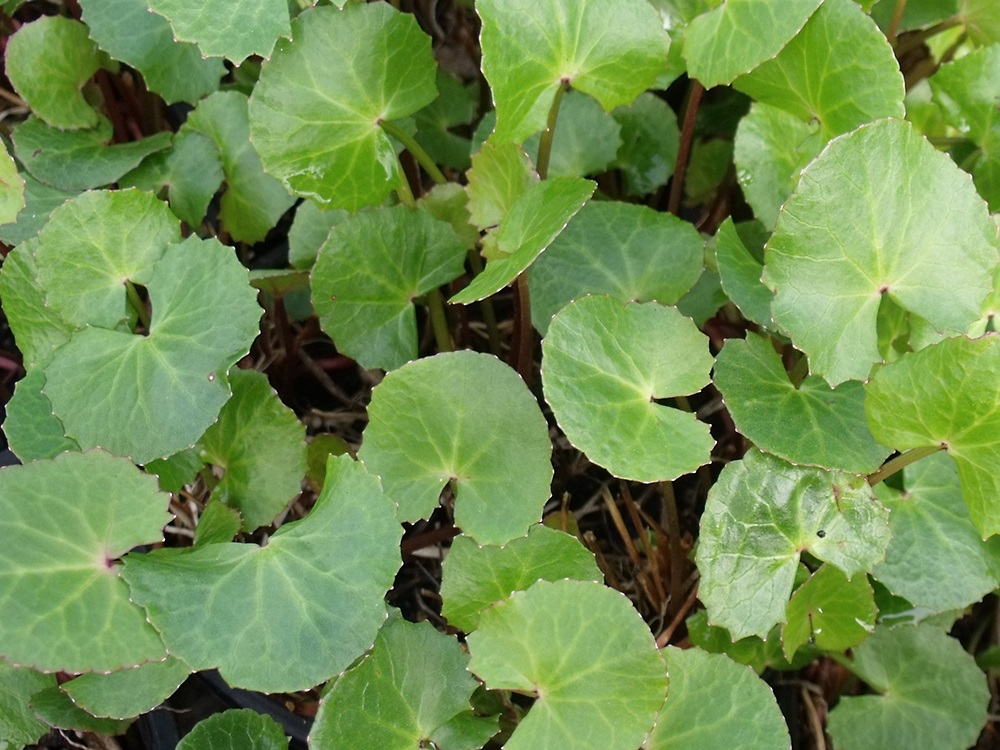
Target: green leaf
{"x": 839, "y": 70}
{"x": 760, "y": 516}
{"x": 217, "y": 523}
{"x": 604, "y": 365}
{"x": 260, "y": 445}
{"x": 224, "y": 28}
{"x": 586, "y": 140}
{"x": 92, "y": 245}
{"x": 771, "y": 148}
{"x": 650, "y": 138}
{"x": 63, "y": 605}
{"x": 253, "y": 201}
{"x": 931, "y": 533}
{"x": 831, "y": 611}
{"x": 11, "y": 188}
{"x": 79, "y": 159}
{"x": 981, "y": 19}
{"x": 947, "y": 396}
{"x": 40, "y": 200}
{"x": 612, "y": 51}
{"x": 236, "y": 729}
{"x": 128, "y": 692}
{"x": 552, "y": 641}
{"x": 500, "y": 175}
{"x": 310, "y": 227}
{"x": 534, "y": 220}
{"x": 880, "y": 211}
{"x": 474, "y": 576}
{"x": 755, "y": 652}
{"x": 737, "y": 249}
{"x": 628, "y": 252}
{"x": 177, "y": 470}
{"x": 32, "y": 430}
{"x": 315, "y": 113}
{"x": 368, "y": 273}
{"x": 465, "y": 419}
{"x": 127, "y": 31}
{"x": 739, "y": 35}
{"x": 57, "y": 709}
{"x": 436, "y": 123}
{"x": 18, "y": 725}
{"x": 48, "y": 62}
{"x": 713, "y": 700}
{"x": 406, "y": 690}
{"x": 933, "y": 694}
{"x": 918, "y": 14}
{"x": 810, "y": 424}
{"x": 289, "y": 615}
{"x": 448, "y": 202}
{"x": 150, "y": 396}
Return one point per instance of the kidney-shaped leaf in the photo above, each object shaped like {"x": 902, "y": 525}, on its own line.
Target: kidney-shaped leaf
{"x": 236, "y": 729}
{"x": 315, "y": 114}
{"x": 64, "y": 522}
{"x": 809, "y": 424}
{"x": 759, "y": 518}
{"x": 150, "y": 396}
{"x": 468, "y": 419}
{"x": 289, "y": 615}
{"x": 412, "y": 684}
{"x": 234, "y": 29}
{"x": 712, "y": 700}
{"x": 610, "y": 49}
{"x": 933, "y": 694}
{"x": 604, "y": 364}
{"x": 948, "y": 396}
{"x": 879, "y": 212}
{"x": 588, "y": 656}
{"x": 368, "y": 272}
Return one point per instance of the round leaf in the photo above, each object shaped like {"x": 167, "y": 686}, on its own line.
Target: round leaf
{"x": 467, "y": 419}
{"x": 879, "y": 212}
{"x": 650, "y": 138}
{"x": 128, "y": 692}
{"x": 586, "y": 139}
{"x": 628, "y": 252}
{"x": 48, "y": 61}
{"x": 610, "y": 49}
{"x": 810, "y": 424}
{"x": 236, "y": 729}
{"x": 713, "y": 700}
{"x": 605, "y": 363}
{"x": 368, "y": 272}
{"x": 947, "y": 395}
{"x": 594, "y": 691}
{"x": 315, "y": 113}
{"x": 289, "y": 615}
{"x": 150, "y": 396}
{"x": 63, "y": 523}
{"x": 760, "y": 516}
{"x": 260, "y": 444}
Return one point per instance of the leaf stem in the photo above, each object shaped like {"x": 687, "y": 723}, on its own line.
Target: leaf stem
{"x": 545, "y": 143}
{"x": 411, "y": 145}
{"x": 900, "y": 462}
{"x": 897, "y": 17}
{"x": 403, "y": 190}
{"x": 678, "y": 567}
{"x": 140, "y": 309}
{"x": 695, "y": 90}
{"x": 486, "y": 305}
{"x": 439, "y": 320}
{"x": 525, "y": 339}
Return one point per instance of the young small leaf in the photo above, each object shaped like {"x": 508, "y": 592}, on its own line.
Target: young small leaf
{"x": 236, "y": 729}
{"x": 829, "y": 610}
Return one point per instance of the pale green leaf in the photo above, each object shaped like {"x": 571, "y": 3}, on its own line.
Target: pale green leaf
{"x": 628, "y": 252}
{"x": 405, "y": 691}
{"x": 552, "y": 641}
{"x": 931, "y": 533}
{"x": 500, "y": 175}
{"x": 880, "y": 211}
{"x": 948, "y": 396}
{"x": 260, "y": 445}
{"x": 11, "y": 189}
{"x": 612, "y": 50}
{"x": 289, "y": 615}
{"x": 839, "y": 70}
{"x": 830, "y": 611}
{"x": 738, "y": 249}
{"x": 448, "y": 202}
{"x": 933, "y": 696}
{"x": 127, "y": 31}
{"x": 465, "y": 419}
{"x": 604, "y": 365}
{"x": 809, "y": 424}
{"x": 369, "y": 271}
{"x": 739, "y": 35}
{"x": 311, "y": 225}
{"x": 474, "y": 576}
{"x": 64, "y": 522}
{"x": 234, "y": 29}
{"x": 759, "y": 518}
{"x": 650, "y": 138}
{"x": 981, "y": 19}
{"x": 18, "y": 725}
{"x": 315, "y": 114}
{"x": 534, "y": 220}
{"x": 32, "y": 430}
{"x": 127, "y": 692}
{"x": 217, "y": 523}
{"x": 712, "y": 701}
{"x": 40, "y": 200}
{"x": 236, "y": 729}
{"x": 586, "y": 139}
{"x": 49, "y": 61}
{"x": 150, "y": 396}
